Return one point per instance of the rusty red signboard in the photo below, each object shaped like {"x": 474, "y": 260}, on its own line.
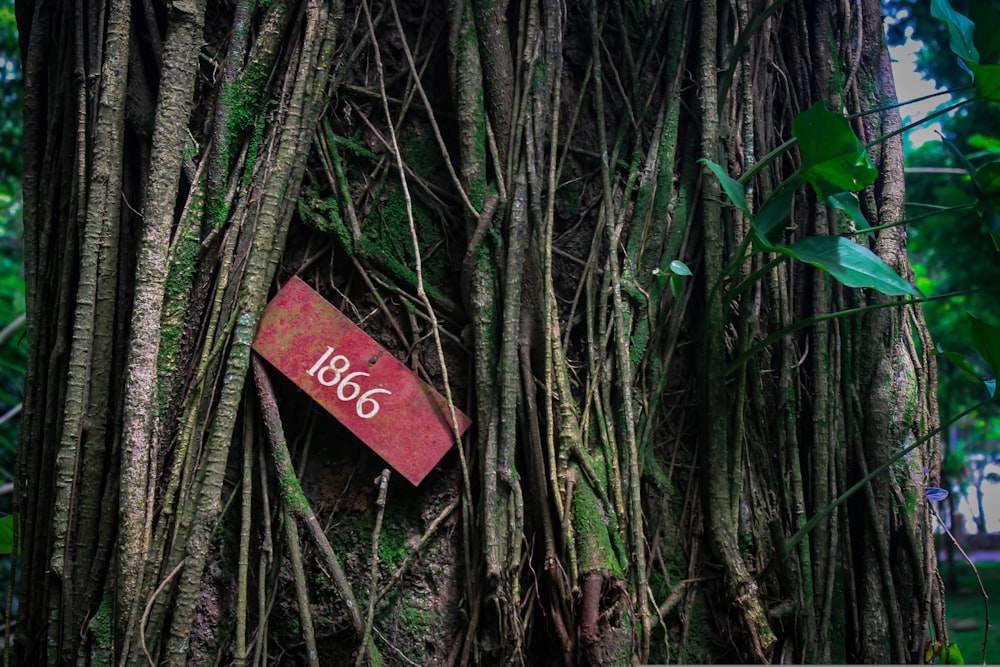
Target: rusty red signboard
{"x": 401, "y": 417}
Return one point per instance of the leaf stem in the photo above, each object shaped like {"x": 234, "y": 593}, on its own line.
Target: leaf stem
{"x": 896, "y": 105}
{"x": 816, "y": 319}
{"x": 939, "y": 210}
{"x": 916, "y": 123}
{"x": 766, "y": 160}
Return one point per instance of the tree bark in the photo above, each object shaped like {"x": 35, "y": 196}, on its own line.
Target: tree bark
{"x": 499, "y": 193}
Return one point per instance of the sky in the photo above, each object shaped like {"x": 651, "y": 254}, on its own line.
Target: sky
{"x": 909, "y": 85}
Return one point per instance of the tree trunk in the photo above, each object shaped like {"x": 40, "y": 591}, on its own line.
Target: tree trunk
{"x": 496, "y": 192}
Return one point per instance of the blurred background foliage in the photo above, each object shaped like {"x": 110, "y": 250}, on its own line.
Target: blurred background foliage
{"x": 952, "y": 252}
{"x": 13, "y": 350}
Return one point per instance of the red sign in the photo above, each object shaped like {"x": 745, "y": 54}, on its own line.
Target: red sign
{"x": 401, "y": 417}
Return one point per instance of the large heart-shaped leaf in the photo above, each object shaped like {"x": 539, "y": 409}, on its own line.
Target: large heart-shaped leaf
{"x": 833, "y": 160}
{"x": 850, "y": 263}
{"x": 961, "y": 30}
{"x": 987, "y": 34}
{"x": 987, "y": 80}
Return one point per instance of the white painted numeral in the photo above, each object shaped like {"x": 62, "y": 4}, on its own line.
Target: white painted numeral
{"x": 366, "y": 399}
{"x": 355, "y": 388}
{"x": 366, "y": 407}
{"x": 319, "y": 362}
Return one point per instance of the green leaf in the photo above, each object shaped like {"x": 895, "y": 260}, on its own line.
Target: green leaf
{"x": 676, "y": 286}
{"x": 848, "y": 203}
{"x": 952, "y": 655}
{"x": 963, "y": 365}
{"x": 987, "y": 80}
{"x": 7, "y": 534}
{"x": 987, "y": 33}
{"x": 930, "y": 654}
{"x": 986, "y": 339}
{"x": 961, "y": 29}
{"x": 833, "y": 160}
{"x": 960, "y": 156}
{"x": 989, "y": 218}
{"x": 677, "y": 267}
{"x": 948, "y": 655}
{"x": 988, "y": 182}
{"x": 733, "y": 188}
{"x": 775, "y": 212}
{"x": 850, "y": 263}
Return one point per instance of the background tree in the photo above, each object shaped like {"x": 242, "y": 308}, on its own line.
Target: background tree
{"x": 508, "y": 197}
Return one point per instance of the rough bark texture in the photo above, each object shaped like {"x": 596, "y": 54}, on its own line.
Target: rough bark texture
{"x": 495, "y": 191}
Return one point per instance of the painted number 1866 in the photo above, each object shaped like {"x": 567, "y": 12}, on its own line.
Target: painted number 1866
{"x": 333, "y": 373}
